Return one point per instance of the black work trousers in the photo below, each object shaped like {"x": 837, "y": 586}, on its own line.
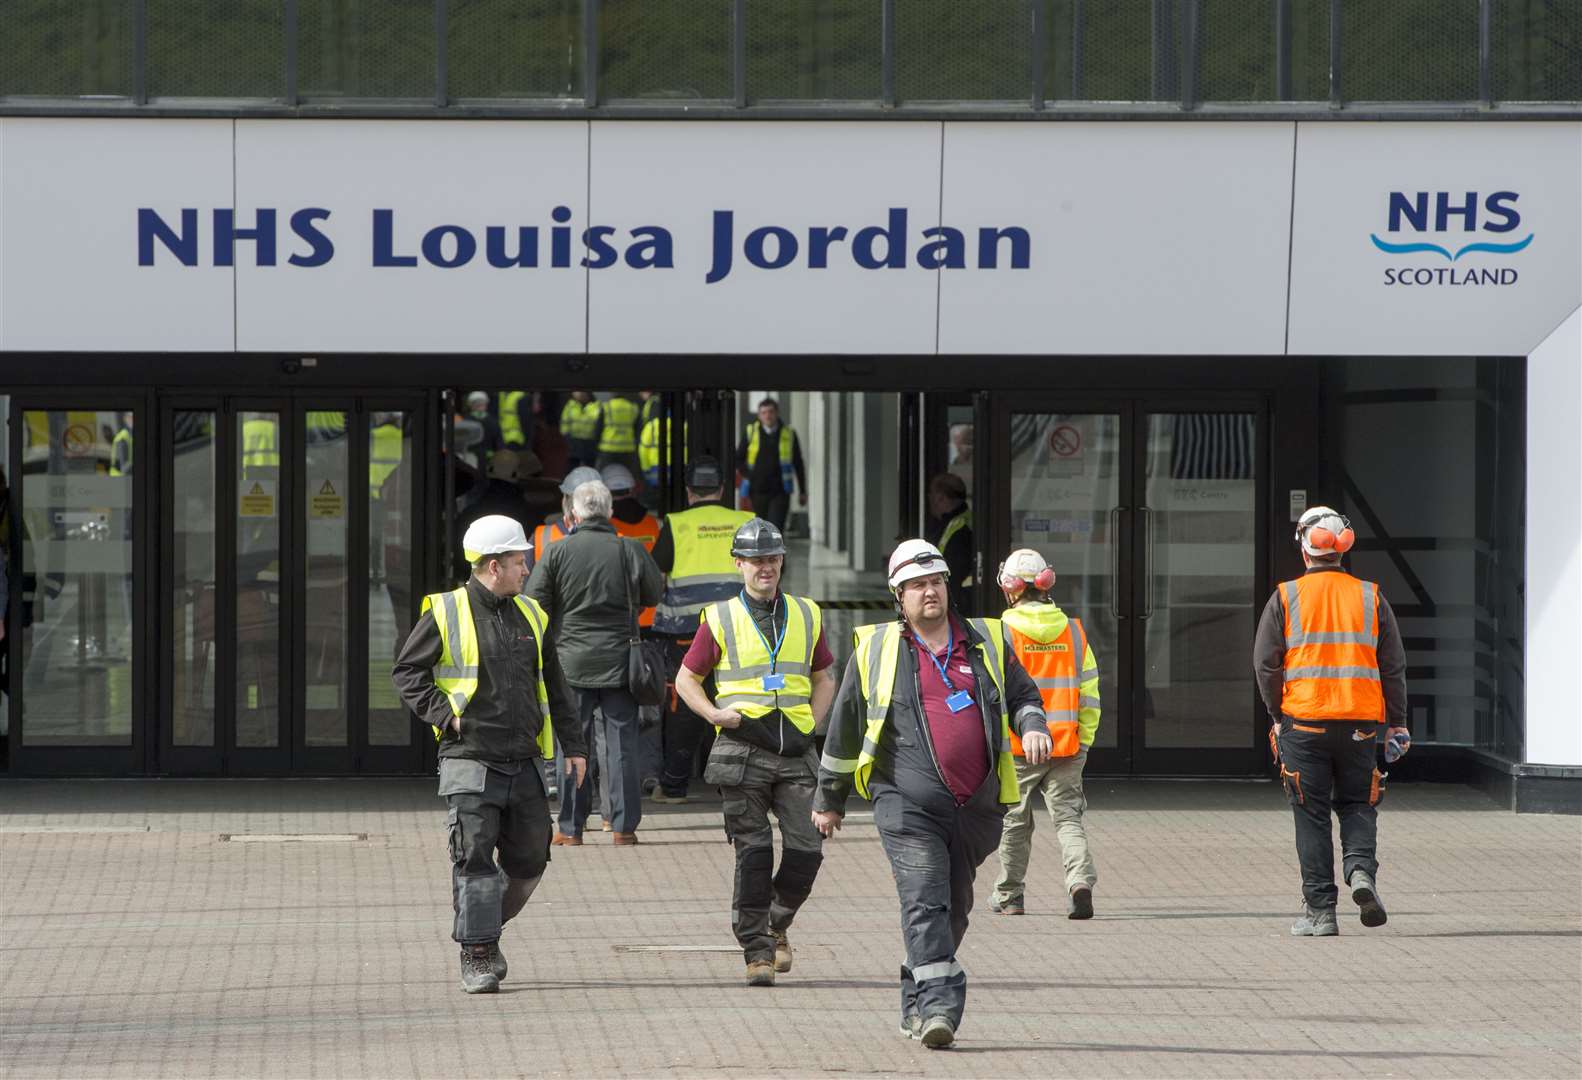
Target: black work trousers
{"x": 490, "y": 809}
{"x": 934, "y": 857}
{"x": 683, "y": 730}
{"x": 773, "y": 508}
{"x": 1328, "y": 765}
{"x": 755, "y": 782}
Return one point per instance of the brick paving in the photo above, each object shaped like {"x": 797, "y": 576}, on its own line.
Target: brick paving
{"x": 137, "y": 943}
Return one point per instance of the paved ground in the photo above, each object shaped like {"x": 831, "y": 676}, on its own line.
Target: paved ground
{"x": 136, "y": 942}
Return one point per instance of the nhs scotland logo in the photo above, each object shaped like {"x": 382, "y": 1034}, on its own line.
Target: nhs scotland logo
{"x": 1448, "y": 225}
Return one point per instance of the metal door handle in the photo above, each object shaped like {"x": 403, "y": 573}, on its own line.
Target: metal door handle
{"x": 1148, "y": 561}
{"x": 1115, "y": 562}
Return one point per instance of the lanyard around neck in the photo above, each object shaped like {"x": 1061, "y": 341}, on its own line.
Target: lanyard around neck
{"x": 950, "y": 651}
{"x": 780, "y": 631}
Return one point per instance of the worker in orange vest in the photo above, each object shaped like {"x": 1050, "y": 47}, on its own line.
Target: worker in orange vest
{"x": 1054, "y": 649}
{"x": 1331, "y": 669}
{"x": 630, "y": 517}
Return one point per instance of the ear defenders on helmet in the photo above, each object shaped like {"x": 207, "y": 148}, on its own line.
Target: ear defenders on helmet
{"x": 1012, "y": 585}
{"x": 1327, "y": 539}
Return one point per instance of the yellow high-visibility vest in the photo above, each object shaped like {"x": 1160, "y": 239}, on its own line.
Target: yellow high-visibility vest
{"x": 878, "y": 649}
{"x": 258, "y": 444}
{"x": 511, "y": 417}
{"x": 384, "y": 456}
{"x": 579, "y": 420}
{"x": 704, "y": 570}
{"x": 653, "y": 446}
{"x": 619, "y": 434}
{"x": 755, "y": 432}
{"x": 456, "y": 673}
{"x": 122, "y": 438}
{"x": 745, "y": 660}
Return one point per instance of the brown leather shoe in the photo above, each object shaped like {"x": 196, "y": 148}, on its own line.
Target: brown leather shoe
{"x": 562, "y": 840}
{"x": 623, "y": 839}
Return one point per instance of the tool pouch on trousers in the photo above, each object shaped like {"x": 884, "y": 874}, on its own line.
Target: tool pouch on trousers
{"x": 1376, "y": 787}
{"x": 461, "y": 776}
{"x": 727, "y": 763}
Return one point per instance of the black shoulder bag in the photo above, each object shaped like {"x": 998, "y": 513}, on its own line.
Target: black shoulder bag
{"x": 645, "y": 660}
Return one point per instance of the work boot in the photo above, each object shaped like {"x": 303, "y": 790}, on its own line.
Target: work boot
{"x": 497, "y": 962}
{"x": 623, "y": 839}
{"x": 782, "y": 951}
{"x": 1079, "y": 902}
{"x": 938, "y": 1032}
{"x": 664, "y": 799}
{"x": 1009, "y": 906}
{"x": 1366, "y": 894}
{"x": 912, "y": 1027}
{"x": 1315, "y": 922}
{"x": 477, "y": 975}
{"x": 761, "y": 973}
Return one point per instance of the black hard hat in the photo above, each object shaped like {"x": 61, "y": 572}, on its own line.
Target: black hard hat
{"x": 704, "y": 474}
{"x": 757, "y": 539}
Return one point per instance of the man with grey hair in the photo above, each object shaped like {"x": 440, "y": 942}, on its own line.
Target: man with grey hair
{"x": 587, "y": 583}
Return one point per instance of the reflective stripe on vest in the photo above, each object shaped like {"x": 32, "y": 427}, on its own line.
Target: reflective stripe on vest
{"x": 653, "y": 445}
{"x": 755, "y": 432}
{"x": 579, "y": 420}
{"x": 511, "y": 417}
{"x": 745, "y": 660}
{"x": 703, "y": 570}
{"x": 647, "y": 531}
{"x": 456, "y": 673}
{"x": 878, "y": 648}
{"x": 961, "y": 521}
{"x": 1055, "y": 664}
{"x": 122, "y": 438}
{"x": 619, "y": 434}
{"x": 1331, "y": 648}
{"x": 545, "y": 535}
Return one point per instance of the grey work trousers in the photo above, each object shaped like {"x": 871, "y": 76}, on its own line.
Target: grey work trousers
{"x": 1059, "y": 781}
{"x": 493, "y": 809}
{"x": 754, "y": 783}
{"x": 935, "y": 859}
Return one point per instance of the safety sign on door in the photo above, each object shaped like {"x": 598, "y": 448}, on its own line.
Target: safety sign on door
{"x": 326, "y": 502}
{"x": 256, "y": 499}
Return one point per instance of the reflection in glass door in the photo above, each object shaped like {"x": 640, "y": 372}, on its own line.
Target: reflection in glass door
{"x": 259, "y": 573}
{"x": 1149, "y": 519}
{"x": 324, "y": 502}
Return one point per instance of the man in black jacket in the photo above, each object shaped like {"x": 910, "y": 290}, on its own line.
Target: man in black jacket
{"x": 587, "y": 583}
{"x": 770, "y": 454}
{"x": 480, "y": 668}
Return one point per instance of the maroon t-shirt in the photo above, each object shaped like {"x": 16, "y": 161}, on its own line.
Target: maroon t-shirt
{"x": 959, "y": 743}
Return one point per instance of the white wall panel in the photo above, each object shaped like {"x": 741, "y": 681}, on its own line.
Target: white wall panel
{"x": 70, "y": 195}
{"x": 794, "y": 176}
{"x": 1343, "y": 299}
{"x": 426, "y": 174}
{"x": 1147, "y": 237}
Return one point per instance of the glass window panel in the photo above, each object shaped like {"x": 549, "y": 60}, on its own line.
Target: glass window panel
{"x": 1409, "y": 50}
{"x": 327, "y": 450}
{"x": 67, "y": 48}
{"x": 677, "y": 49}
{"x": 1537, "y": 50}
{"x": 514, "y": 48}
{"x": 814, "y": 50}
{"x": 77, "y": 559}
{"x": 390, "y": 606}
{"x": 258, "y": 545}
{"x": 10, "y": 590}
{"x": 1106, "y": 52}
{"x": 197, "y": 48}
{"x": 193, "y": 583}
{"x": 1065, "y": 480}
{"x": 949, "y": 51}
{"x": 1199, "y": 536}
{"x": 366, "y": 48}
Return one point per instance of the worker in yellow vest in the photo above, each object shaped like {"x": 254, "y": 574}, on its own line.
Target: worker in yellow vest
{"x": 922, "y": 726}
{"x": 579, "y": 423}
{"x": 694, "y": 553}
{"x": 617, "y": 437}
{"x": 1331, "y": 669}
{"x": 770, "y": 459}
{"x": 653, "y": 446}
{"x": 950, "y": 529}
{"x": 773, "y": 682}
{"x": 516, "y": 418}
{"x": 461, "y": 671}
{"x": 121, "y": 448}
{"x": 1054, "y": 650}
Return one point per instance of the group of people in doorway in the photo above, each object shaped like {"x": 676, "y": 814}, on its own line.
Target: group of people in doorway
{"x": 949, "y": 725}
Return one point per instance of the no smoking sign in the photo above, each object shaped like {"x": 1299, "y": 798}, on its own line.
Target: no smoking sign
{"x": 1065, "y": 441}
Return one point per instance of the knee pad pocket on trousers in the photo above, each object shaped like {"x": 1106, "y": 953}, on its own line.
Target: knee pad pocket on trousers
{"x": 798, "y": 869}
{"x": 754, "y": 875}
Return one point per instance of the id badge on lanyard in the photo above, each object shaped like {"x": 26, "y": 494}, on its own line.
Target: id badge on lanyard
{"x": 774, "y": 682}
{"x": 961, "y": 699}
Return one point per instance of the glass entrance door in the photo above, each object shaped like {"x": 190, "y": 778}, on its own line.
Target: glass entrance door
{"x": 289, "y": 584}
{"x": 1148, "y": 514}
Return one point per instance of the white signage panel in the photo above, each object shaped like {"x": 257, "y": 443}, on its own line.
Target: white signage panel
{"x": 763, "y": 237}
{"x": 1434, "y": 239}
{"x": 417, "y": 236}
{"x": 82, "y": 263}
{"x": 1164, "y": 238}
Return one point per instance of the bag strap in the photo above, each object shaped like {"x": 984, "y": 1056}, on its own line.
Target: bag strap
{"x": 631, "y": 590}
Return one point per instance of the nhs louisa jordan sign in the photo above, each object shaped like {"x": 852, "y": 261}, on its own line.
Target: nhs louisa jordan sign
{"x": 894, "y": 237}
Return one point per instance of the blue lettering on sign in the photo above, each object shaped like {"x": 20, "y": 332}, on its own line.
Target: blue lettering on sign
{"x": 397, "y": 244}
{"x": 1437, "y": 211}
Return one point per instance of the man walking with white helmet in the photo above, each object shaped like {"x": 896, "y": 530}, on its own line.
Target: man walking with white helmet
{"x": 1054, "y": 650}
{"x": 922, "y": 725}
{"x": 1331, "y": 668}
{"x": 481, "y": 669}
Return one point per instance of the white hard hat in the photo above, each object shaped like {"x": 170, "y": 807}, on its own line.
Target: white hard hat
{"x": 915, "y": 559}
{"x": 503, "y": 465}
{"x": 493, "y": 534}
{"x": 1324, "y": 531}
{"x": 617, "y": 477}
{"x": 577, "y": 477}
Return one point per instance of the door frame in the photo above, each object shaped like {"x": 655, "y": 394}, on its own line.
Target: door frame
{"x": 1131, "y": 756}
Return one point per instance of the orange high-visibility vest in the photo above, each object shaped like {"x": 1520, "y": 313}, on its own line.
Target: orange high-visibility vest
{"x": 1331, "y": 648}
{"x": 646, "y": 530}
{"x": 1056, "y": 669}
{"x": 545, "y": 535}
